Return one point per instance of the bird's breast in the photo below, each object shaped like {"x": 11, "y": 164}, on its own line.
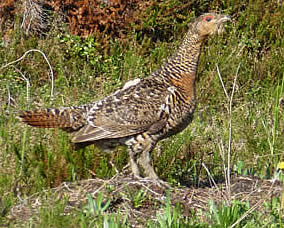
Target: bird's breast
{"x": 180, "y": 117}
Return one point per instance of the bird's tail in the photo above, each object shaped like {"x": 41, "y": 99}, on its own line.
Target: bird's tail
{"x": 64, "y": 118}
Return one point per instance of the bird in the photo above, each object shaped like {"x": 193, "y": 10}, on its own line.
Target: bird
{"x": 144, "y": 110}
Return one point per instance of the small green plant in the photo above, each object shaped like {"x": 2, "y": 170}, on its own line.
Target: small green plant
{"x": 96, "y": 206}
{"x": 240, "y": 169}
{"x": 115, "y": 221}
{"x": 171, "y": 216}
{"x": 225, "y": 216}
{"x": 52, "y": 216}
{"x": 276, "y": 216}
{"x": 139, "y": 198}
{"x": 94, "y": 214}
{"x": 79, "y": 47}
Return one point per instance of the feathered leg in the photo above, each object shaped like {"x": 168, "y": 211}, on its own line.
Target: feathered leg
{"x": 142, "y": 145}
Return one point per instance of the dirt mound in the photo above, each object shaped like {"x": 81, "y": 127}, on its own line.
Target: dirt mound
{"x": 119, "y": 190}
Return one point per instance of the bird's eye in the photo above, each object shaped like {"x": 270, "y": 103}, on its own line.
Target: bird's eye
{"x": 208, "y": 18}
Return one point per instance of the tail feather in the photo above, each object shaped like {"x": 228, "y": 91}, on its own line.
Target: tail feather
{"x": 67, "y": 119}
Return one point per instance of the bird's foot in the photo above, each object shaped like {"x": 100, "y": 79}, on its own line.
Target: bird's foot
{"x": 151, "y": 176}
{"x": 135, "y": 169}
{"x": 161, "y": 183}
{"x": 153, "y": 181}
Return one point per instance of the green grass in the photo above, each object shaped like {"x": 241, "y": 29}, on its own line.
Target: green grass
{"x": 35, "y": 159}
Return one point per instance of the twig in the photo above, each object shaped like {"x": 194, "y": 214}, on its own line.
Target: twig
{"x": 28, "y": 85}
{"x": 222, "y": 151}
{"x": 230, "y": 133}
{"x": 222, "y": 83}
{"x": 212, "y": 179}
{"x": 229, "y": 109}
{"x": 51, "y": 76}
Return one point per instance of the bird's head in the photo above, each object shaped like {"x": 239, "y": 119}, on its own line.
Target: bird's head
{"x": 210, "y": 23}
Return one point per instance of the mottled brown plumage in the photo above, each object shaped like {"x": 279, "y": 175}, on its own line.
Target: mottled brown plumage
{"x": 142, "y": 112}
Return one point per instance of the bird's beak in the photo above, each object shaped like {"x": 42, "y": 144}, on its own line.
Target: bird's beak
{"x": 224, "y": 19}
{"x": 221, "y": 23}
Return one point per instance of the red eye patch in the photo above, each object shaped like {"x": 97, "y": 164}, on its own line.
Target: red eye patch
{"x": 207, "y": 18}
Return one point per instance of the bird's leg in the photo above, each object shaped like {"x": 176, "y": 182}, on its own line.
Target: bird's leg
{"x": 145, "y": 161}
{"x": 133, "y": 164}
{"x": 143, "y": 146}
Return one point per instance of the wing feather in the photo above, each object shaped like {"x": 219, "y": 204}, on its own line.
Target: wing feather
{"x": 129, "y": 111}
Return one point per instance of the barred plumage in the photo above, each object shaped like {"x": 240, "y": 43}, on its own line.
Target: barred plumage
{"x": 143, "y": 111}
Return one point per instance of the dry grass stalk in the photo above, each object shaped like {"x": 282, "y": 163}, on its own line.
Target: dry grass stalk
{"x": 46, "y": 59}
{"x": 229, "y": 144}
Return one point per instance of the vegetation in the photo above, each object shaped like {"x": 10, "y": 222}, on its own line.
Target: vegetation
{"x": 238, "y": 124}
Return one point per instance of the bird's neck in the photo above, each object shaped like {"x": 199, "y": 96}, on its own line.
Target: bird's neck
{"x": 185, "y": 60}
{"x": 180, "y": 70}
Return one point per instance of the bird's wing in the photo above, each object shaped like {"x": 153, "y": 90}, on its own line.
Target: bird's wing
{"x": 138, "y": 107}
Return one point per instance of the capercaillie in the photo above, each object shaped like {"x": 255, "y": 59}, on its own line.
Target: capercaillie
{"x": 144, "y": 110}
